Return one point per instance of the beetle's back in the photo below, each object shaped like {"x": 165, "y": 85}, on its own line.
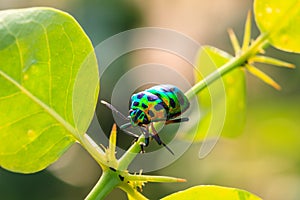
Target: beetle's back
{"x": 174, "y": 99}
{"x": 148, "y": 103}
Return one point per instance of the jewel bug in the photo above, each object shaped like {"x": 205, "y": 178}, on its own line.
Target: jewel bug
{"x": 161, "y": 103}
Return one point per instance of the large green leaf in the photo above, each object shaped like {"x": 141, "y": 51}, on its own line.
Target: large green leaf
{"x": 48, "y": 85}
{"x": 281, "y": 21}
{"x": 223, "y": 103}
{"x": 211, "y": 192}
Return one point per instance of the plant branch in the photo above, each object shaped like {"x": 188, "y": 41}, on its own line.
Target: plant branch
{"x": 235, "y": 62}
{"x": 130, "y": 154}
{"x": 94, "y": 150}
{"x": 104, "y": 186}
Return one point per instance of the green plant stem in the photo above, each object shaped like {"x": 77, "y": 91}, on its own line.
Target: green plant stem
{"x": 260, "y": 43}
{"x": 235, "y": 62}
{"x": 94, "y": 150}
{"x": 130, "y": 154}
{"x": 107, "y": 182}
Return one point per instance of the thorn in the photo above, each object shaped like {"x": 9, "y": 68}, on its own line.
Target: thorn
{"x": 247, "y": 32}
{"x": 272, "y": 61}
{"x": 113, "y": 141}
{"x": 102, "y": 147}
{"x": 114, "y": 128}
{"x": 263, "y": 76}
{"x": 234, "y": 41}
{"x": 181, "y": 180}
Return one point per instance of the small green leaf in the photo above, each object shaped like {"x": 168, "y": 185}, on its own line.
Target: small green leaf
{"x": 223, "y": 103}
{"x": 280, "y": 20}
{"x": 211, "y": 192}
{"x": 47, "y": 68}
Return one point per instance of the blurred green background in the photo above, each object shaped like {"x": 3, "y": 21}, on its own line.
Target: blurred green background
{"x": 264, "y": 160}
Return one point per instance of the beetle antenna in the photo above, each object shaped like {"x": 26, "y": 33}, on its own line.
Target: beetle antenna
{"x": 131, "y": 134}
{"x": 126, "y": 125}
{"x": 112, "y": 108}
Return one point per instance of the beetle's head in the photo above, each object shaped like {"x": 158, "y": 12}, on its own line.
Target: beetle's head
{"x": 138, "y": 109}
{"x": 138, "y": 117}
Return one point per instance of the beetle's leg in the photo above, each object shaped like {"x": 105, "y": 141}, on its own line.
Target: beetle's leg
{"x": 156, "y": 137}
{"x": 173, "y": 121}
{"x": 146, "y": 143}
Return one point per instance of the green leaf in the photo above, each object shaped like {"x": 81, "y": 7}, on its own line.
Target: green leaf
{"x": 223, "y": 103}
{"x": 47, "y": 69}
{"x": 211, "y": 192}
{"x": 281, "y": 21}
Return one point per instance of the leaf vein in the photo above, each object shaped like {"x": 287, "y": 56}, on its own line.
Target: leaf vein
{"x": 9, "y": 96}
{"x": 44, "y": 106}
{"x": 46, "y": 151}
{"x": 71, "y": 74}
{"x": 20, "y": 119}
{"x": 18, "y": 47}
{"x": 49, "y": 64}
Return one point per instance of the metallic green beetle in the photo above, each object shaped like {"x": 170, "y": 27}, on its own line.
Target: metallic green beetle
{"x": 158, "y": 103}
